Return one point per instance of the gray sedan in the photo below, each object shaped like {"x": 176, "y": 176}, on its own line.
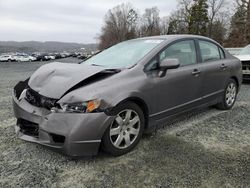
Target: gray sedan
{"x": 114, "y": 97}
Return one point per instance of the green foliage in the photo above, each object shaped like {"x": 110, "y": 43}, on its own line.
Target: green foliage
{"x": 173, "y": 27}
{"x": 237, "y": 35}
{"x": 212, "y": 18}
{"x": 198, "y": 20}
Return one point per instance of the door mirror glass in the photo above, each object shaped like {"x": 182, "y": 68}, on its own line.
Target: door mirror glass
{"x": 169, "y": 64}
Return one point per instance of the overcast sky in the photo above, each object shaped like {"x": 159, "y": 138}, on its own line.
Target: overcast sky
{"x": 63, "y": 20}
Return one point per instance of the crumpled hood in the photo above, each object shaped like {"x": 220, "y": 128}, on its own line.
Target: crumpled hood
{"x": 54, "y": 79}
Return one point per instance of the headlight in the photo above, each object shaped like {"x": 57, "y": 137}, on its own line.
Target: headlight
{"x": 83, "y": 107}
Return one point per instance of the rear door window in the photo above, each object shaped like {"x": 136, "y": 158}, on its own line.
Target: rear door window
{"x": 209, "y": 51}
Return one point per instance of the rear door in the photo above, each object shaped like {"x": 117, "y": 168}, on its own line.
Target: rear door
{"x": 215, "y": 70}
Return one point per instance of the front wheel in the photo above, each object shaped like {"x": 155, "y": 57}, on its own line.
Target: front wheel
{"x": 125, "y": 131}
{"x": 229, "y": 96}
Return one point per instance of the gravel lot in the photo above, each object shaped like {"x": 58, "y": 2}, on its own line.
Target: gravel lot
{"x": 209, "y": 148}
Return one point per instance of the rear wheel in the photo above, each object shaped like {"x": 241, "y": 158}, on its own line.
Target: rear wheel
{"x": 125, "y": 131}
{"x": 229, "y": 96}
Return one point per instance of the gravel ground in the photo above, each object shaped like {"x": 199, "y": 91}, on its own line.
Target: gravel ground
{"x": 208, "y": 148}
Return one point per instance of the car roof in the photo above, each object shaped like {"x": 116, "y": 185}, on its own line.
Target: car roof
{"x": 174, "y": 37}
{"x": 170, "y": 38}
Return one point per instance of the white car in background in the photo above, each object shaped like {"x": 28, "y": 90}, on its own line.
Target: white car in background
{"x": 6, "y": 58}
{"x": 244, "y": 57}
{"x": 50, "y": 57}
{"x": 23, "y": 58}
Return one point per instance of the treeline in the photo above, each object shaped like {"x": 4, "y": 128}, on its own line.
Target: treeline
{"x": 36, "y": 46}
{"x": 227, "y": 23}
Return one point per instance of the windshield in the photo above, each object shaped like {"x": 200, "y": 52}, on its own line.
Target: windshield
{"x": 123, "y": 55}
{"x": 245, "y": 51}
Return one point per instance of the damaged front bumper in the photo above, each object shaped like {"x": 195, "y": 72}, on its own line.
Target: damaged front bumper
{"x": 73, "y": 134}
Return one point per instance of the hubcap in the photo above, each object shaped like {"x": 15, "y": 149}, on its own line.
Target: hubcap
{"x": 125, "y": 129}
{"x": 230, "y": 94}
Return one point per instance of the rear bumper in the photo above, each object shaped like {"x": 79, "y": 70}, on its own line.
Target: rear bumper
{"x": 68, "y": 133}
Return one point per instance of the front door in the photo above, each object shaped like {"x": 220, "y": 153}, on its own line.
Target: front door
{"x": 180, "y": 88}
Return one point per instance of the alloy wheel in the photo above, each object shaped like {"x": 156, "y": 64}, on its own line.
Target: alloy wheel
{"x": 230, "y": 94}
{"x": 125, "y": 129}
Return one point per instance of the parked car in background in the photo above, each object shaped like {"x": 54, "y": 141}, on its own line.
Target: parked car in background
{"x": 112, "y": 98}
{"x": 50, "y": 57}
{"x": 65, "y": 54}
{"x": 38, "y": 57}
{"x": 42, "y": 57}
{"x": 57, "y": 56}
{"x": 24, "y": 58}
{"x": 244, "y": 57}
{"x": 6, "y": 58}
{"x": 82, "y": 56}
{"x": 75, "y": 54}
{"x": 234, "y": 51}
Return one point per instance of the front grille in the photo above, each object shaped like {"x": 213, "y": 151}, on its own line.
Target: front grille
{"x": 38, "y": 100}
{"x": 27, "y": 127}
{"x": 246, "y": 77}
{"x": 246, "y": 65}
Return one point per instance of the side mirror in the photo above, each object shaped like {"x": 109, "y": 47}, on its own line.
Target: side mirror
{"x": 169, "y": 64}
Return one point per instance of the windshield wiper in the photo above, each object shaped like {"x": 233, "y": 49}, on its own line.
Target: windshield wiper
{"x": 111, "y": 70}
{"x": 96, "y": 65}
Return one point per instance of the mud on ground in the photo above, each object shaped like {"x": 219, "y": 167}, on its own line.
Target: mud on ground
{"x": 209, "y": 148}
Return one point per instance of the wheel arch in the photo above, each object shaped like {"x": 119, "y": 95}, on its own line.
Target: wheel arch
{"x": 237, "y": 82}
{"x": 141, "y": 103}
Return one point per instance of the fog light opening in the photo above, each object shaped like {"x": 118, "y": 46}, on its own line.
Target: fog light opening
{"x": 57, "y": 138}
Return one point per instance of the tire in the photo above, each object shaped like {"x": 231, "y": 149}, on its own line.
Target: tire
{"x": 125, "y": 132}
{"x": 229, "y": 96}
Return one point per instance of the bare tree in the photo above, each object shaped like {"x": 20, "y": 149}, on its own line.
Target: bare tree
{"x": 120, "y": 24}
{"x": 215, "y": 7}
{"x": 185, "y": 9}
{"x": 248, "y": 22}
{"x": 212, "y": 18}
{"x": 239, "y": 34}
{"x": 246, "y": 5}
{"x": 164, "y": 25}
{"x": 179, "y": 19}
{"x": 150, "y": 22}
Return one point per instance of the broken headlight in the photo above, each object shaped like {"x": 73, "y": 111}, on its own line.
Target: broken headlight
{"x": 83, "y": 107}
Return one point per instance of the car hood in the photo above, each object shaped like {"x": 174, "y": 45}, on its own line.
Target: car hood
{"x": 243, "y": 57}
{"x": 55, "y": 79}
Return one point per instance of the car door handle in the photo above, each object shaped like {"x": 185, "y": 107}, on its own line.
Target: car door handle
{"x": 223, "y": 66}
{"x": 196, "y": 72}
